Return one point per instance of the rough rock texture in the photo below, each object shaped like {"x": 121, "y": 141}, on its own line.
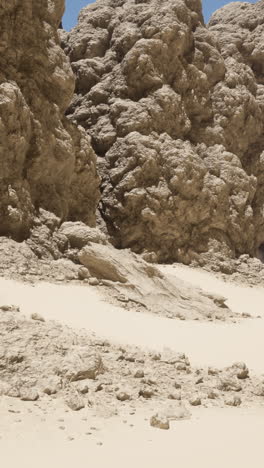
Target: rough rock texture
{"x": 176, "y": 112}
{"x": 44, "y": 360}
{"x": 136, "y": 282}
{"x": 44, "y": 160}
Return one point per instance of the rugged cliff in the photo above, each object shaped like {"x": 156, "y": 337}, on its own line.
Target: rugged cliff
{"x": 175, "y": 110}
{"x": 45, "y": 161}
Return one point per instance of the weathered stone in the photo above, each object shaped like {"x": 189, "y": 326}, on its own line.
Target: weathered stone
{"x": 80, "y": 366}
{"x": 37, "y": 317}
{"x": 75, "y": 402}
{"x": 79, "y": 234}
{"x": 233, "y": 401}
{"x": 160, "y": 421}
{"x": 229, "y": 384}
{"x": 123, "y": 396}
{"x": 195, "y": 400}
{"x": 175, "y": 111}
{"x": 45, "y": 161}
{"x": 28, "y": 394}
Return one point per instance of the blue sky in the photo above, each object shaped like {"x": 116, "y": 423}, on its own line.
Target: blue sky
{"x": 74, "y": 6}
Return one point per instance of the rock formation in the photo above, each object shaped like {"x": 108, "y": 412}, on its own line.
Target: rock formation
{"x": 175, "y": 112}
{"x": 45, "y": 161}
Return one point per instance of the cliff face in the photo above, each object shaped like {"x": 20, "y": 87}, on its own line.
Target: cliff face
{"x": 176, "y": 112}
{"x": 45, "y": 161}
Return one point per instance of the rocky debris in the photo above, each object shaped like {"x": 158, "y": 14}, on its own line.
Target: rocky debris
{"x": 45, "y": 161}
{"x": 44, "y": 360}
{"x": 175, "y": 113}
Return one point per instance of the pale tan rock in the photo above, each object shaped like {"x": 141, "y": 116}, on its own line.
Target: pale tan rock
{"x": 160, "y": 421}
{"x": 45, "y": 161}
{"x": 80, "y": 366}
{"x": 175, "y": 111}
{"x": 79, "y": 234}
{"x": 75, "y": 402}
{"x": 144, "y": 286}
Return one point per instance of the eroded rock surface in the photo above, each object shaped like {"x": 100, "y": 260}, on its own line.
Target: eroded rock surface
{"x": 45, "y": 360}
{"x": 175, "y": 110}
{"x": 45, "y": 161}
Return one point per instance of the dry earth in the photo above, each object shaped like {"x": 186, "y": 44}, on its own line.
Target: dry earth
{"x": 107, "y": 357}
{"x": 48, "y": 371}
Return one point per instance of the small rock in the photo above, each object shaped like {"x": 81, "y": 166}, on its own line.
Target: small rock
{"x": 160, "y": 421}
{"x": 233, "y": 401}
{"x": 52, "y": 385}
{"x": 146, "y": 392}
{"x": 195, "y": 401}
{"x": 81, "y": 365}
{"x": 94, "y": 282}
{"x": 155, "y": 356}
{"x": 82, "y": 388}
{"x": 213, "y": 371}
{"x": 174, "y": 396}
{"x": 28, "y": 394}
{"x": 228, "y": 384}
{"x": 181, "y": 366}
{"x": 99, "y": 387}
{"x": 37, "y": 317}
{"x": 130, "y": 358}
{"x": 240, "y": 369}
{"x": 149, "y": 381}
{"x": 75, "y": 402}
{"x": 199, "y": 381}
{"x": 212, "y": 394}
{"x": 9, "y": 308}
{"x": 177, "y": 385}
{"x": 83, "y": 273}
{"x": 139, "y": 374}
{"x": 123, "y": 396}
{"x": 122, "y": 298}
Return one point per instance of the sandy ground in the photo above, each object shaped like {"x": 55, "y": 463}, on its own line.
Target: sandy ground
{"x": 212, "y": 344}
{"x": 212, "y": 438}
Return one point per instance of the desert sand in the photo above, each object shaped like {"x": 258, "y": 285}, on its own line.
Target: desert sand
{"x": 45, "y": 433}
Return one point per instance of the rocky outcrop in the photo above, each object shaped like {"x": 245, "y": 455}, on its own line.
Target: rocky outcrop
{"x": 175, "y": 112}
{"x": 45, "y": 161}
